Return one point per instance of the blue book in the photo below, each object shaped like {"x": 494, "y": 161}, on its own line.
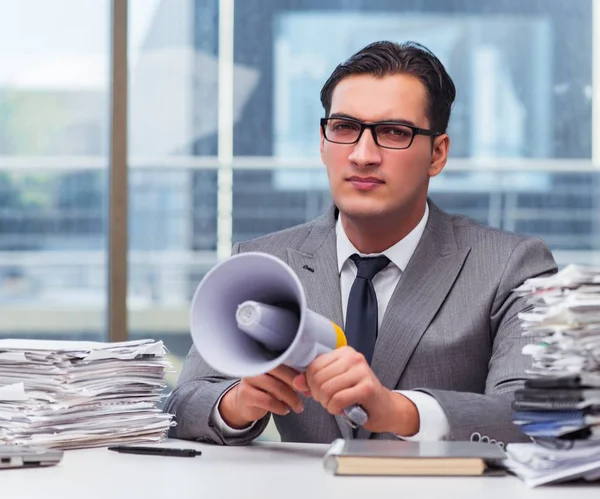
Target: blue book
{"x": 524, "y": 417}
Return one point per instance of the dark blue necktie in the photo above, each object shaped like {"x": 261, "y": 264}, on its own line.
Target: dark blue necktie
{"x": 361, "y": 314}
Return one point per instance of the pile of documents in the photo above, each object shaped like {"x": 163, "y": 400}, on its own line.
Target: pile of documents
{"x": 66, "y": 394}
{"x": 559, "y": 405}
{"x": 538, "y": 465}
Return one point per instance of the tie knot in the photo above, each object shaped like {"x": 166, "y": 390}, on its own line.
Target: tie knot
{"x": 368, "y": 266}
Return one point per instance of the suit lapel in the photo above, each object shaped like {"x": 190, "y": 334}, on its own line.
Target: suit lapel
{"x": 422, "y": 289}
{"x": 320, "y": 279}
{"x": 315, "y": 264}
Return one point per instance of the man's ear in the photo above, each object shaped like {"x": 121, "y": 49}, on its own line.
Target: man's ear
{"x": 439, "y": 154}
{"x": 322, "y": 145}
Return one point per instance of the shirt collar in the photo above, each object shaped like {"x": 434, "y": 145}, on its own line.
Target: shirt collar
{"x": 399, "y": 254}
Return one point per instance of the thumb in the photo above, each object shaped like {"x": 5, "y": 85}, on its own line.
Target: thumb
{"x": 300, "y": 384}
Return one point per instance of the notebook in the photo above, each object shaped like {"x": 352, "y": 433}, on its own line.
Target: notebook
{"x": 13, "y": 456}
{"x": 397, "y": 457}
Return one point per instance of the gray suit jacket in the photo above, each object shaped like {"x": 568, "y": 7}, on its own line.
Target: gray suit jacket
{"x": 450, "y": 330}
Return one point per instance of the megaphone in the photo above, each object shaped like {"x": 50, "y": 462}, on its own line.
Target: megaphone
{"x": 249, "y": 315}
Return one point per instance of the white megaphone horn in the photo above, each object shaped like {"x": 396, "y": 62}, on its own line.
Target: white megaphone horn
{"x": 249, "y": 315}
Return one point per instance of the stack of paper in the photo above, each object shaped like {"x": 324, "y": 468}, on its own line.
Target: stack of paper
{"x": 559, "y": 405}
{"x": 65, "y": 394}
{"x": 539, "y": 465}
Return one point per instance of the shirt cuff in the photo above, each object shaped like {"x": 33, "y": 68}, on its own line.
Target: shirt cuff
{"x": 433, "y": 421}
{"x": 218, "y": 421}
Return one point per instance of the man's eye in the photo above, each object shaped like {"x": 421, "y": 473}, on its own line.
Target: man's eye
{"x": 339, "y": 127}
{"x": 395, "y": 131}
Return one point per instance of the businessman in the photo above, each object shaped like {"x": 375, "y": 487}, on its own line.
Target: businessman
{"x": 425, "y": 297}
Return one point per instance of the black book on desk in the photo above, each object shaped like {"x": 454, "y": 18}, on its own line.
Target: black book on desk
{"x": 581, "y": 380}
{"x": 589, "y": 395}
{"x": 397, "y": 457}
{"x": 553, "y": 405}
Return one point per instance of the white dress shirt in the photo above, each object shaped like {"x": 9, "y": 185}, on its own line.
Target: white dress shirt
{"x": 433, "y": 422}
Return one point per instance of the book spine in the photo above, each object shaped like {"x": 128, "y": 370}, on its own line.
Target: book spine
{"x": 330, "y": 461}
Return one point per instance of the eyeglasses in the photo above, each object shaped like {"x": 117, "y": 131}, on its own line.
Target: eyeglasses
{"x": 387, "y": 134}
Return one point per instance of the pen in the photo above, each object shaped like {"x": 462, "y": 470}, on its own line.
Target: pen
{"x": 155, "y": 451}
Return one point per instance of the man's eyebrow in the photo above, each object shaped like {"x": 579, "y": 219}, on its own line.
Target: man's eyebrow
{"x": 394, "y": 120}
{"x": 343, "y": 115}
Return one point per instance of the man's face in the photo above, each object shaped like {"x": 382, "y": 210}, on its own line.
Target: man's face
{"x": 369, "y": 181}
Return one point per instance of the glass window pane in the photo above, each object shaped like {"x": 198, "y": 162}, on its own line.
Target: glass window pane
{"x": 53, "y": 162}
{"x": 521, "y": 126}
{"x": 173, "y": 137}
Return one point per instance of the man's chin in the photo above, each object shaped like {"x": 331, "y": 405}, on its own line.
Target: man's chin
{"x": 362, "y": 211}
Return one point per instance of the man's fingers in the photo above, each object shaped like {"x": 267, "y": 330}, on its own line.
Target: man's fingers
{"x": 267, "y": 402}
{"x": 333, "y": 386}
{"x": 285, "y": 374}
{"x": 318, "y": 378}
{"x": 300, "y": 383}
{"x": 279, "y": 390}
{"x": 328, "y": 358}
{"x": 341, "y": 400}
{"x": 295, "y": 380}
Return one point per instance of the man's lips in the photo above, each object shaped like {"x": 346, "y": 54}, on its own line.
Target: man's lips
{"x": 365, "y": 183}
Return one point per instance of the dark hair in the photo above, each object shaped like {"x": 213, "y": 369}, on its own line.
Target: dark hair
{"x": 388, "y": 58}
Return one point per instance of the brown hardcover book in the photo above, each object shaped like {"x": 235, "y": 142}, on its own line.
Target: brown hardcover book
{"x": 397, "y": 457}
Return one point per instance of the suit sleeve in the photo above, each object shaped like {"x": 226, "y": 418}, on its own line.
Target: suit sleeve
{"x": 490, "y": 414}
{"x": 198, "y": 390}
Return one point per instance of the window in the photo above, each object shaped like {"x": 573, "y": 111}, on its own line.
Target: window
{"x": 53, "y": 161}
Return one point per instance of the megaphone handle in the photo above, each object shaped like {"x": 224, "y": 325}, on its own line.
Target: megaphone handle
{"x": 356, "y": 416}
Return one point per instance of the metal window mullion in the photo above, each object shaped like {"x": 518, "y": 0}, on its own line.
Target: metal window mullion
{"x": 596, "y": 115}
{"x": 117, "y": 227}
{"x": 225, "y": 130}
{"x": 596, "y": 84}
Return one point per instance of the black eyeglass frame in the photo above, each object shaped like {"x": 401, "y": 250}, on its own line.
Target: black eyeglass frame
{"x": 372, "y": 126}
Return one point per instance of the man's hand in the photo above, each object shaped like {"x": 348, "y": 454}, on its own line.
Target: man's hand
{"x": 342, "y": 377}
{"x": 252, "y": 398}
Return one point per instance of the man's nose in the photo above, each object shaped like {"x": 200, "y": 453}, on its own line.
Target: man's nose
{"x": 366, "y": 152}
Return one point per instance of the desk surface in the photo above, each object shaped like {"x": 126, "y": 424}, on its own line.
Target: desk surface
{"x": 261, "y": 471}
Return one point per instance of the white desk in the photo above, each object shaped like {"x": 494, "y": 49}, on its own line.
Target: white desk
{"x": 261, "y": 471}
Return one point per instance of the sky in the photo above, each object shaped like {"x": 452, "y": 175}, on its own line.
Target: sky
{"x": 63, "y": 44}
